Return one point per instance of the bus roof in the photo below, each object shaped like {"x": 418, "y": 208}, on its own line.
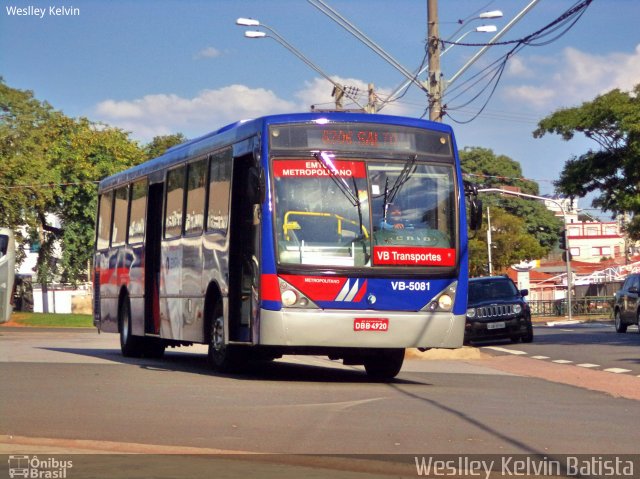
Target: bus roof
{"x": 244, "y": 129}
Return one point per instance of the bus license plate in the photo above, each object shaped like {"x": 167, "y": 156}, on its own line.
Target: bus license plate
{"x": 499, "y": 325}
{"x": 371, "y": 324}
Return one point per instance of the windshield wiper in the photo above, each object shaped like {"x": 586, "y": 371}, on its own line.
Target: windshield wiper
{"x": 390, "y": 193}
{"x": 324, "y": 159}
{"x": 340, "y": 182}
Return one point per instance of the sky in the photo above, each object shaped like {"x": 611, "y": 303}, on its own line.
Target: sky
{"x": 157, "y": 67}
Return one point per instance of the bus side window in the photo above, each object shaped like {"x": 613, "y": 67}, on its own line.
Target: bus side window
{"x": 138, "y": 211}
{"x": 194, "y": 214}
{"x": 104, "y": 220}
{"x": 120, "y": 209}
{"x": 174, "y": 203}
{"x": 219, "y": 190}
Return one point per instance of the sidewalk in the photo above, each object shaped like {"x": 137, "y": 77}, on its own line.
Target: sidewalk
{"x": 564, "y": 320}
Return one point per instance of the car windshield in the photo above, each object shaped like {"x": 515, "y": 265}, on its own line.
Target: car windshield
{"x": 488, "y": 290}
{"x": 342, "y": 212}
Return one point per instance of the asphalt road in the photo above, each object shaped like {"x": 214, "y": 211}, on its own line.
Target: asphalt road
{"x": 72, "y": 389}
{"x": 591, "y": 345}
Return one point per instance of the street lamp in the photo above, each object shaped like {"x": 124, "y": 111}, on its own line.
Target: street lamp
{"x": 250, "y": 22}
{"x": 480, "y": 29}
{"x": 483, "y": 16}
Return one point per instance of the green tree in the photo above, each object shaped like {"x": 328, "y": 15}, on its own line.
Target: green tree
{"x": 27, "y": 128}
{"x": 85, "y": 154}
{"x": 160, "y": 144}
{"x": 484, "y": 168}
{"x": 612, "y": 168}
{"x": 50, "y": 166}
{"x": 511, "y": 244}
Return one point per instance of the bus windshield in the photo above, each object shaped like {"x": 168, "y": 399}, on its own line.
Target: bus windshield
{"x": 364, "y": 213}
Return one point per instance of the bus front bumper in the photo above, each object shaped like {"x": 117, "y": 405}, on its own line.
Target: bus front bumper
{"x": 296, "y": 327}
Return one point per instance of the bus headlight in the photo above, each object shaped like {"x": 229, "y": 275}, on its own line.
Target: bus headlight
{"x": 445, "y": 302}
{"x": 289, "y": 297}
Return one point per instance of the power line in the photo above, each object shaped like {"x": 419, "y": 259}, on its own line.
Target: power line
{"x": 496, "y": 69}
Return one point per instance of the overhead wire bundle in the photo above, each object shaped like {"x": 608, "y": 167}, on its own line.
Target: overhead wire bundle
{"x": 493, "y": 72}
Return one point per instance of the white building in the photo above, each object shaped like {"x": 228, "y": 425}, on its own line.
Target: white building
{"x": 594, "y": 241}
{"x": 590, "y": 241}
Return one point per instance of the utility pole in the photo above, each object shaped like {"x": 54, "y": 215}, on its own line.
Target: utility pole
{"x": 338, "y": 94}
{"x": 434, "y": 84}
{"x": 372, "y": 107}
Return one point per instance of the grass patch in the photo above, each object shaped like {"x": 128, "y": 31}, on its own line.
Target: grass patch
{"x": 50, "y": 320}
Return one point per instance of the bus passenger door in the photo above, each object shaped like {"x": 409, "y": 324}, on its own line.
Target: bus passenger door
{"x": 244, "y": 249}
{"x": 152, "y": 259}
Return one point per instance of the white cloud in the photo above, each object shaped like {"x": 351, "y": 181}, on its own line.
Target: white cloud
{"x": 574, "y": 77}
{"x": 517, "y": 67}
{"x": 208, "y": 52}
{"x": 538, "y": 97}
{"x": 162, "y": 114}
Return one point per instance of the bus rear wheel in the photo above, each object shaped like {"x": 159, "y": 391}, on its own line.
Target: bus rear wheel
{"x": 222, "y": 357}
{"x": 384, "y": 364}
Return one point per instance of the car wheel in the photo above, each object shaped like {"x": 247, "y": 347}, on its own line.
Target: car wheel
{"x": 617, "y": 321}
{"x": 528, "y": 336}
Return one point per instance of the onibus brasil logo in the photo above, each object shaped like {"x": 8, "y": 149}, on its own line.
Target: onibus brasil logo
{"x": 33, "y": 467}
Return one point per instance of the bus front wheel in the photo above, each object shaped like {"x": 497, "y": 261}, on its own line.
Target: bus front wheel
{"x": 221, "y": 356}
{"x": 384, "y": 364}
{"x": 129, "y": 344}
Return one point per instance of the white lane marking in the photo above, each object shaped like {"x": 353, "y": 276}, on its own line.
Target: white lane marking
{"x": 588, "y": 365}
{"x": 505, "y": 350}
{"x": 617, "y": 370}
{"x": 562, "y": 361}
{"x": 540, "y": 357}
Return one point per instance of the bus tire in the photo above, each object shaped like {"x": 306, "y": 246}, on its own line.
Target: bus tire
{"x": 384, "y": 364}
{"x": 129, "y": 344}
{"x": 221, "y": 357}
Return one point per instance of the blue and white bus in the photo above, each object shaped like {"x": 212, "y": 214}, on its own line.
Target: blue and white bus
{"x": 337, "y": 234}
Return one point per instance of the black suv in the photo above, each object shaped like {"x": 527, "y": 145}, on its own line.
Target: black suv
{"x": 626, "y": 307}
{"x": 497, "y": 309}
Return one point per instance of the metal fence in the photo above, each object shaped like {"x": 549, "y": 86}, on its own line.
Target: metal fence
{"x": 588, "y": 306}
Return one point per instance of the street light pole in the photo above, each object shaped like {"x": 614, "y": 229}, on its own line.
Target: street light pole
{"x": 420, "y": 71}
{"x": 250, "y": 22}
{"x": 439, "y": 83}
{"x": 566, "y": 236}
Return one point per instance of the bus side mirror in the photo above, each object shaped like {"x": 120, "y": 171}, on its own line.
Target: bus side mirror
{"x": 475, "y": 213}
{"x": 475, "y": 206}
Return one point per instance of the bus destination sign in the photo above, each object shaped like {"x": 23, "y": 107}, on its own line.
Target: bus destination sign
{"x": 368, "y": 138}
{"x": 360, "y": 137}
